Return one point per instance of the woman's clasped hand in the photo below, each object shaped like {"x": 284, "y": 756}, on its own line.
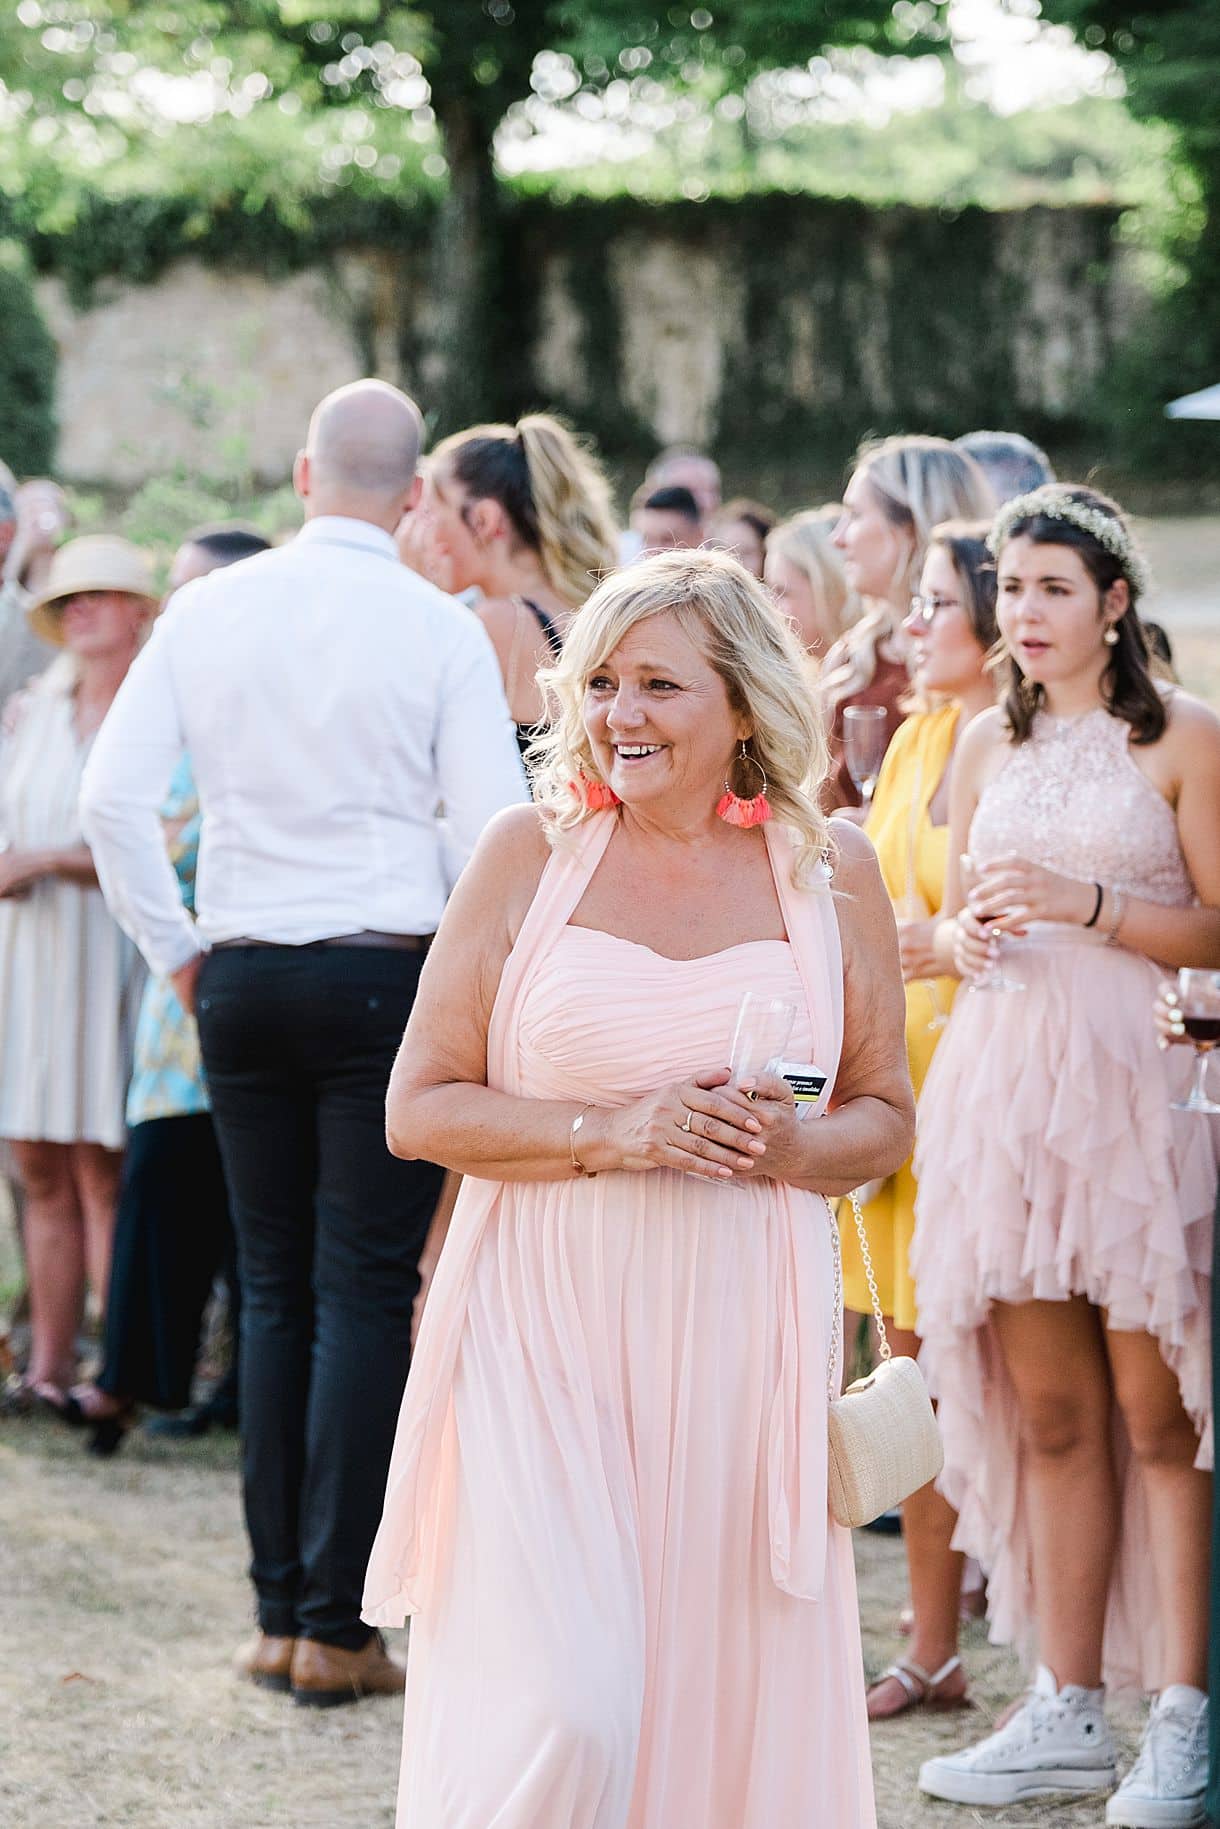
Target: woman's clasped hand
{"x": 703, "y": 1125}
{"x": 19, "y": 871}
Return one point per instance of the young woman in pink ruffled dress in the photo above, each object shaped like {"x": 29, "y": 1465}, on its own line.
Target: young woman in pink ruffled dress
{"x": 1063, "y": 1222}
{"x": 607, "y": 1508}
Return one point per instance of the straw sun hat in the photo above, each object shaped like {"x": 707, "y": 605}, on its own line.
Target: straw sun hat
{"x": 97, "y": 562}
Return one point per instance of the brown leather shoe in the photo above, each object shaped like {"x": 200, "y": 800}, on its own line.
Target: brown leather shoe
{"x": 326, "y": 1676}
{"x": 266, "y": 1661}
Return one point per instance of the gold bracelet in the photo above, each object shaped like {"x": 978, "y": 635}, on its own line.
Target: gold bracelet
{"x": 578, "y": 1167}
{"x": 1120, "y": 909}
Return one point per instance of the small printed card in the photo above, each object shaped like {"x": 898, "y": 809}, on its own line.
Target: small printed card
{"x": 807, "y": 1083}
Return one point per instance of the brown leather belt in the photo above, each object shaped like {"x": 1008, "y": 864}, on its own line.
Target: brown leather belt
{"x": 402, "y": 943}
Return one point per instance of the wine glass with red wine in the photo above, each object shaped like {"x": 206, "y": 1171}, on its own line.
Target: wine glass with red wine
{"x": 1199, "y": 1002}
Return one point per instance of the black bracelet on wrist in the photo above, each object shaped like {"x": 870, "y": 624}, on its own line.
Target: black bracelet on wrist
{"x": 1101, "y": 896}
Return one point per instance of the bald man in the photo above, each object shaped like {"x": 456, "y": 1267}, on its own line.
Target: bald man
{"x": 332, "y": 703}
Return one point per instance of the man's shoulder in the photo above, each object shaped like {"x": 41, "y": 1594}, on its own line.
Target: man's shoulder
{"x": 295, "y": 571}
{"x": 449, "y": 615}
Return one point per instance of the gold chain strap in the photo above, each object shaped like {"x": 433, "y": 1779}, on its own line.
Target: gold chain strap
{"x": 836, "y": 1334}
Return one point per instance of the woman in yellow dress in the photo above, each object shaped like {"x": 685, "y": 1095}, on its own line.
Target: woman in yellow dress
{"x": 952, "y": 627}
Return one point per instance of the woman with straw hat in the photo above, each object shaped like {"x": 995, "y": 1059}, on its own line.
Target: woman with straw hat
{"x": 69, "y": 979}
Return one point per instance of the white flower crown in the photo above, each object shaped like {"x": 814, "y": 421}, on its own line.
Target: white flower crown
{"x": 1053, "y": 503}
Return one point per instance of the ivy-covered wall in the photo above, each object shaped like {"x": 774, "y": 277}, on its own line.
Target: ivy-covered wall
{"x": 774, "y": 325}
{"x": 811, "y": 321}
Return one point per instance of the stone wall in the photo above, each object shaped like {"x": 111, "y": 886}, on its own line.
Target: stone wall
{"x": 778, "y": 321}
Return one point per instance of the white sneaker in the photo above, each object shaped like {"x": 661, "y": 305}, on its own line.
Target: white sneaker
{"x": 1165, "y": 1787}
{"x": 1058, "y": 1740}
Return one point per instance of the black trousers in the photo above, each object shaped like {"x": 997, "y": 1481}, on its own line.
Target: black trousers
{"x": 172, "y": 1236}
{"x": 298, "y": 1043}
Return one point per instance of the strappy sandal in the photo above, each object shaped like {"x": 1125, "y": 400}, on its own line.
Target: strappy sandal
{"x": 919, "y": 1688}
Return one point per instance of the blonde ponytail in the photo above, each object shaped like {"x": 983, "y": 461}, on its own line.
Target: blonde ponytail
{"x": 551, "y": 488}
{"x": 577, "y": 537}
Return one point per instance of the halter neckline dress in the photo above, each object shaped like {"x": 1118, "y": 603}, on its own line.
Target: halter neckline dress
{"x": 607, "y": 1503}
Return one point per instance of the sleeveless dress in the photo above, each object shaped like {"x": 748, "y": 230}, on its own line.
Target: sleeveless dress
{"x": 1050, "y": 1164}
{"x": 607, "y": 1502}
{"x": 70, "y": 979}
{"x": 913, "y": 854}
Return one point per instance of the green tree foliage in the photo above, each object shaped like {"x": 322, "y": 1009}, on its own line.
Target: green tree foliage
{"x": 957, "y": 153}
{"x": 290, "y": 116}
{"x": 118, "y": 67}
{"x": 1169, "y": 54}
{"x": 27, "y": 374}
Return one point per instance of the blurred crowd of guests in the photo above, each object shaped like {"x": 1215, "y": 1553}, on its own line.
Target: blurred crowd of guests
{"x": 348, "y": 731}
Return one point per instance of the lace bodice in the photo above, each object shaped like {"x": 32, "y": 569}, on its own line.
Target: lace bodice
{"x": 1073, "y": 799}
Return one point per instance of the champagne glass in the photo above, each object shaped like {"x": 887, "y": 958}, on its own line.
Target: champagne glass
{"x": 760, "y": 1035}
{"x": 864, "y": 745}
{"x": 1199, "y": 1001}
{"x": 763, "y": 1031}
{"x": 995, "y": 978}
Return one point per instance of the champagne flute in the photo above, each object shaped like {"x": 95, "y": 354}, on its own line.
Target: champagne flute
{"x": 865, "y": 742}
{"x": 995, "y": 978}
{"x": 1199, "y": 1000}
{"x": 761, "y": 1033}
{"x": 763, "y": 1030}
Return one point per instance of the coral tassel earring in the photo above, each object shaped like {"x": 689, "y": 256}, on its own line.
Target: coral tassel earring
{"x": 735, "y": 811}
{"x": 597, "y": 796}
{"x": 738, "y": 812}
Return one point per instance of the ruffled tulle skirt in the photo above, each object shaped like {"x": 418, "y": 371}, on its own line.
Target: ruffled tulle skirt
{"x": 1050, "y": 1164}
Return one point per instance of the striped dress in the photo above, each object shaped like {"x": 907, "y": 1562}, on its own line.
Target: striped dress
{"x": 70, "y": 980}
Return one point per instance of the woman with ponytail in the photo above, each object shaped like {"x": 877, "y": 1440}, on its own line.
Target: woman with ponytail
{"x": 523, "y": 514}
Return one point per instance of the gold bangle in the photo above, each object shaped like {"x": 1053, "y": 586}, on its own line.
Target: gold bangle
{"x": 578, "y": 1167}
{"x": 1120, "y": 910}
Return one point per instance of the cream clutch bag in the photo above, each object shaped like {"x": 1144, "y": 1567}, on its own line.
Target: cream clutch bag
{"x": 883, "y": 1440}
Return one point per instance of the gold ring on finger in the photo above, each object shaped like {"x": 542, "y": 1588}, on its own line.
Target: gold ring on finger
{"x": 687, "y": 1127}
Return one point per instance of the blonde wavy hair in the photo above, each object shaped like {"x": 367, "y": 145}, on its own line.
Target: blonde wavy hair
{"x": 804, "y": 541}
{"x": 731, "y": 618}
{"x": 551, "y": 487}
{"x": 919, "y": 481}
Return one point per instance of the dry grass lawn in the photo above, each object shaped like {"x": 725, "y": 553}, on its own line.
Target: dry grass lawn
{"x": 123, "y": 1598}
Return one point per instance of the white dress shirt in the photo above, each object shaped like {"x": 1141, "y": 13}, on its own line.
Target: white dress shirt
{"x": 331, "y": 703}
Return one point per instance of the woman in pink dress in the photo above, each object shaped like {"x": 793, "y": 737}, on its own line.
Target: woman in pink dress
{"x": 607, "y": 1508}
{"x": 1063, "y": 1221}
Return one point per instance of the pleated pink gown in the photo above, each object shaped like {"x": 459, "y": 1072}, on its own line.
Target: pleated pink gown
{"x": 607, "y": 1505}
